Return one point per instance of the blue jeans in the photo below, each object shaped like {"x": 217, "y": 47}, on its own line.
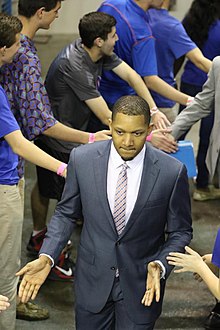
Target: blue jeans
{"x": 202, "y": 179}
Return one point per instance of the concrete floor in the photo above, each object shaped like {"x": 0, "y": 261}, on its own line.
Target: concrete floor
{"x": 186, "y": 303}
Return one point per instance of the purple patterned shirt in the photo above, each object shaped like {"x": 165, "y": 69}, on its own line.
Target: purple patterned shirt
{"x": 26, "y": 92}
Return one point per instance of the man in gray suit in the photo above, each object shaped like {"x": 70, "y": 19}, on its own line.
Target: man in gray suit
{"x": 204, "y": 103}
{"x": 136, "y": 208}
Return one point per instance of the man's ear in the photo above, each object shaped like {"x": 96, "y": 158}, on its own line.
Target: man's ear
{"x": 98, "y": 42}
{"x": 40, "y": 12}
{"x": 3, "y": 50}
{"x": 110, "y": 124}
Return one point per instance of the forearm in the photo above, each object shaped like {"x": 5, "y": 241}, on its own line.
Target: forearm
{"x": 210, "y": 279}
{"x": 99, "y": 107}
{"x": 197, "y": 58}
{"x": 141, "y": 89}
{"x": 161, "y": 87}
{"x": 65, "y": 133}
{"x": 204, "y": 65}
{"x": 30, "y": 152}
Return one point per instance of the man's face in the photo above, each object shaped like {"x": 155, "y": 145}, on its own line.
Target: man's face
{"x": 10, "y": 52}
{"x": 108, "y": 45}
{"x": 49, "y": 16}
{"x": 156, "y": 3}
{"x": 128, "y": 134}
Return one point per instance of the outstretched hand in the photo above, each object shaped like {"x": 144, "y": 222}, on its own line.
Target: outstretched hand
{"x": 103, "y": 135}
{"x": 190, "y": 262}
{"x": 160, "y": 120}
{"x": 152, "y": 284}
{"x": 162, "y": 139}
{"x": 4, "y": 304}
{"x": 35, "y": 273}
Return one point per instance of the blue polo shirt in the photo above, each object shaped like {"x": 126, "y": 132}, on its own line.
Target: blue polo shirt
{"x": 172, "y": 42}
{"x": 8, "y": 159}
{"x": 136, "y": 46}
{"x": 193, "y": 75}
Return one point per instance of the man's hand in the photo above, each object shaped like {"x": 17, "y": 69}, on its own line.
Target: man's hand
{"x": 160, "y": 120}
{"x": 190, "y": 262}
{"x": 35, "y": 273}
{"x": 162, "y": 139}
{"x": 103, "y": 135}
{"x": 4, "y": 304}
{"x": 152, "y": 284}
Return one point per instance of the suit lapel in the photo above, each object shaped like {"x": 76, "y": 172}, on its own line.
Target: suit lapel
{"x": 149, "y": 177}
{"x": 100, "y": 170}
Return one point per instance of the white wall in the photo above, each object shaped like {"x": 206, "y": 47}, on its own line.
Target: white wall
{"x": 73, "y": 10}
{"x": 182, "y": 7}
{"x": 70, "y": 13}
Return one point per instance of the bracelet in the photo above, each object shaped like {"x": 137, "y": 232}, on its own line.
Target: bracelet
{"x": 189, "y": 100}
{"x": 149, "y": 137}
{"x": 154, "y": 110}
{"x": 61, "y": 169}
{"x": 91, "y": 137}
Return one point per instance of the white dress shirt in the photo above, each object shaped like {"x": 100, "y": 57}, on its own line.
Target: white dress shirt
{"x": 134, "y": 173}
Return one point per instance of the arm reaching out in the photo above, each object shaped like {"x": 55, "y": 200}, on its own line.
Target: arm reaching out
{"x": 193, "y": 262}
{"x": 4, "y": 304}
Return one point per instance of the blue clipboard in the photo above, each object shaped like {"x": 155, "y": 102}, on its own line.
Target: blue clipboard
{"x": 185, "y": 154}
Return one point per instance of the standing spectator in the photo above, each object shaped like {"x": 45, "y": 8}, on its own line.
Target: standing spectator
{"x": 202, "y": 23}
{"x": 30, "y": 105}
{"x": 12, "y": 143}
{"x": 206, "y": 102}
{"x": 136, "y": 46}
{"x": 172, "y": 42}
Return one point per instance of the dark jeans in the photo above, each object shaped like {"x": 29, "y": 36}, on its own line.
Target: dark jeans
{"x": 202, "y": 179}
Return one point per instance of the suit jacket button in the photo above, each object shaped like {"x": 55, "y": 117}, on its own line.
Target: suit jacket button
{"x": 112, "y": 268}
{"x": 118, "y": 243}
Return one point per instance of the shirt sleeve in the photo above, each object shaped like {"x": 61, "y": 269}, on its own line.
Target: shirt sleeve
{"x": 216, "y": 251}
{"x": 34, "y": 106}
{"x": 8, "y": 123}
{"x": 179, "y": 41}
{"x": 111, "y": 62}
{"x": 144, "y": 57}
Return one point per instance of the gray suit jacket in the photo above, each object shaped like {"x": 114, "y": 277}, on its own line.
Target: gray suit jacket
{"x": 205, "y": 102}
{"x": 162, "y": 207}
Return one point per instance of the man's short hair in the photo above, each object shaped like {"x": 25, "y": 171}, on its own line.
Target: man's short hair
{"x": 28, "y": 8}
{"x": 9, "y": 27}
{"x": 94, "y": 25}
{"x": 132, "y": 105}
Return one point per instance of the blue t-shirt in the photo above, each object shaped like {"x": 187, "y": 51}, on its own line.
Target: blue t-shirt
{"x": 193, "y": 75}
{"x": 135, "y": 46}
{"x": 172, "y": 42}
{"x": 216, "y": 251}
{"x": 8, "y": 159}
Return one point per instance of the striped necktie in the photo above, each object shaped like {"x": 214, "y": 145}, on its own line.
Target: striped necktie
{"x": 120, "y": 200}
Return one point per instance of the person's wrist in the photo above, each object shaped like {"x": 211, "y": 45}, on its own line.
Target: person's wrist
{"x": 189, "y": 100}
{"x": 46, "y": 260}
{"x": 149, "y": 137}
{"x": 61, "y": 169}
{"x": 154, "y": 110}
{"x": 91, "y": 137}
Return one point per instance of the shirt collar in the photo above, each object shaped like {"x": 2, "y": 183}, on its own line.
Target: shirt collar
{"x": 117, "y": 161}
{"x": 137, "y": 8}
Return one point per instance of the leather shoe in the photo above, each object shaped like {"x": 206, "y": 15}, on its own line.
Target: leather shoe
{"x": 213, "y": 321}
